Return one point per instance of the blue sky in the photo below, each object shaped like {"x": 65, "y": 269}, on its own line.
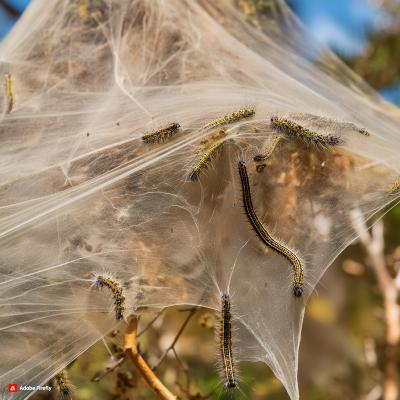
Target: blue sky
{"x": 7, "y": 21}
{"x": 342, "y": 25}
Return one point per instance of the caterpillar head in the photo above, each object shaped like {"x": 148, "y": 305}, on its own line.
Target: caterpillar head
{"x": 175, "y": 125}
{"x": 297, "y": 290}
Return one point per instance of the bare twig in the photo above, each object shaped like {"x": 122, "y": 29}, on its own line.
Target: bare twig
{"x": 374, "y": 245}
{"x": 100, "y": 376}
{"x": 172, "y": 345}
{"x": 130, "y": 346}
{"x": 150, "y": 323}
{"x": 185, "y": 369}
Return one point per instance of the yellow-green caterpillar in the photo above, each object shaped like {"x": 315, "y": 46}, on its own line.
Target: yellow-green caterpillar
{"x": 225, "y": 343}
{"x": 363, "y": 131}
{"x": 295, "y": 130}
{"x": 321, "y": 121}
{"x": 62, "y": 385}
{"x": 269, "y": 150}
{"x": 161, "y": 134}
{"x": 394, "y": 187}
{"x": 229, "y": 118}
{"x": 9, "y": 84}
{"x": 117, "y": 291}
{"x": 205, "y": 159}
{"x": 83, "y": 10}
{"x": 267, "y": 239}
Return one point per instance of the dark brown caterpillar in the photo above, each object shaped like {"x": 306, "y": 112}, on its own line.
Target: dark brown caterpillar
{"x": 225, "y": 341}
{"x": 267, "y": 239}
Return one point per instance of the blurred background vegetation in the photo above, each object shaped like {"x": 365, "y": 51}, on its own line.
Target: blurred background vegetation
{"x": 345, "y": 352}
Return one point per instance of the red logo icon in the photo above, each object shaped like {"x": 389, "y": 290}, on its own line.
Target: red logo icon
{"x": 12, "y": 388}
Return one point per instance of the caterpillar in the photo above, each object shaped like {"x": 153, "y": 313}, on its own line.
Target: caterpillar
{"x": 350, "y": 125}
{"x": 62, "y": 385}
{"x": 394, "y": 187}
{"x": 205, "y": 159}
{"x": 83, "y": 10}
{"x": 225, "y": 343}
{"x": 161, "y": 134}
{"x": 9, "y": 84}
{"x": 266, "y": 238}
{"x": 270, "y": 149}
{"x": 295, "y": 130}
{"x": 363, "y": 131}
{"x": 117, "y": 291}
{"x": 320, "y": 121}
{"x": 229, "y": 118}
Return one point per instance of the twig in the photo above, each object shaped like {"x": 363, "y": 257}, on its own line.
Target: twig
{"x": 99, "y": 377}
{"x": 185, "y": 370}
{"x": 374, "y": 246}
{"x": 150, "y": 323}
{"x": 172, "y": 345}
{"x": 131, "y": 350}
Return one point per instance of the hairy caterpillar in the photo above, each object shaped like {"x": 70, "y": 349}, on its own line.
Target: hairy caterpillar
{"x": 229, "y": 118}
{"x": 161, "y": 134}
{"x": 394, "y": 187}
{"x": 320, "y": 122}
{"x": 205, "y": 159}
{"x": 350, "y": 125}
{"x": 62, "y": 385}
{"x": 9, "y": 84}
{"x": 225, "y": 343}
{"x": 117, "y": 292}
{"x": 269, "y": 150}
{"x": 363, "y": 131}
{"x": 267, "y": 239}
{"x": 293, "y": 129}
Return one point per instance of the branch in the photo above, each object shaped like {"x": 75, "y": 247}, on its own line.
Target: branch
{"x": 150, "y": 323}
{"x": 374, "y": 245}
{"x": 131, "y": 350}
{"x": 172, "y": 345}
{"x": 98, "y": 377}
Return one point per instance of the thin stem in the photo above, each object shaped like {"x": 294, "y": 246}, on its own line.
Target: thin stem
{"x": 172, "y": 345}
{"x": 99, "y": 377}
{"x": 150, "y": 323}
{"x": 374, "y": 245}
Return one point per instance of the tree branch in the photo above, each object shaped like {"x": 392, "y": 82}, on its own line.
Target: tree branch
{"x": 131, "y": 350}
{"x": 172, "y": 345}
{"x": 374, "y": 246}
